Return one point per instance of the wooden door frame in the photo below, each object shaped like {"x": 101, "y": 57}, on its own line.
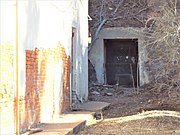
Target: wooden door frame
{"x": 72, "y": 63}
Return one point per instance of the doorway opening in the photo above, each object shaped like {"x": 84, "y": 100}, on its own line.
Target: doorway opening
{"x": 73, "y": 96}
{"x": 121, "y": 62}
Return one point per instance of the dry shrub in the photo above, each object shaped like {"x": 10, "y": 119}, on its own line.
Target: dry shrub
{"x": 163, "y": 45}
{"x": 162, "y": 34}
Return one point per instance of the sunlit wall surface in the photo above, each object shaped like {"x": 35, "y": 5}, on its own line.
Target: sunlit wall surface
{"x": 45, "y": 45}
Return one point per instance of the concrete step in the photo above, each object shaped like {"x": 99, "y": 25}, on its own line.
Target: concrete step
{"x": 67, "y": 124}
{"x": 94, "y": 106}
{"x": 72, "y": 122}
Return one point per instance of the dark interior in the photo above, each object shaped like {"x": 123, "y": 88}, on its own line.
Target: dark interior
{"x": 121, "y": 62}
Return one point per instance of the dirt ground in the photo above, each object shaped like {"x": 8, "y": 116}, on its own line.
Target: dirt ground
{"x": 146, "y": 113}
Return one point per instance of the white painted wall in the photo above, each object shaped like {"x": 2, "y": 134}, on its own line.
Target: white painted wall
{"x": 43, "y": 24}
{"x": 8, "y": 27}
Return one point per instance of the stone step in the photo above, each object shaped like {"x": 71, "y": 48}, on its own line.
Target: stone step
{"x": 94, "y": 106}
{"x": 72, "y": 122}
{"x": 67, "y": 124}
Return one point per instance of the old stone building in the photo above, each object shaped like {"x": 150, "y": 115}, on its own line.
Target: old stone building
{"x": 119, "y": 50}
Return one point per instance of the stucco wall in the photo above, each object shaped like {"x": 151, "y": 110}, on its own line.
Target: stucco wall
{"x": 45, "y": 28}
{"x": 96, "y": 54}
{"x": 7, "y": 67}
{"x": 43, "y": 25}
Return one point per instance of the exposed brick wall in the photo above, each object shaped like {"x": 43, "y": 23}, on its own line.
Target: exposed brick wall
{"x": 38, "y": 103}
{"x": 6, "y": 89}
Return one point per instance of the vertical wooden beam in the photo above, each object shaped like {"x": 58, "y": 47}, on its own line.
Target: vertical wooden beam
{"x": 17, "y": 80}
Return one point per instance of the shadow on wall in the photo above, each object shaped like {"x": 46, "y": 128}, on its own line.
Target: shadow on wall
{"x": 81, "y": 58}
{"x": 65, "y": 104}
{"x": 58, "y": 87}
{"x": 33, "y": 16}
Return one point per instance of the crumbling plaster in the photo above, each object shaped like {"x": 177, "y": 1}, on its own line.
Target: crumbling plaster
{"x": 44, "y": 24}
{"x": 97, "y": 55}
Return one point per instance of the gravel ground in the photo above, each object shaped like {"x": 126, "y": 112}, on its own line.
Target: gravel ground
{"x": 146, "y": 113}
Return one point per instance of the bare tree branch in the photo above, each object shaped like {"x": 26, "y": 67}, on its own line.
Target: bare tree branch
{"x": 97, "y": 33}
{"x": 119, "y": 4}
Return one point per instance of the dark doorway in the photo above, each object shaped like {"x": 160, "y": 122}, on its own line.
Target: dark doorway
{"x": 121, "y": 62}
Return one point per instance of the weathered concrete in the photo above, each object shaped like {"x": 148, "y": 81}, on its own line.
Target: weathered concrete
{"x": 67, "y": 124}
{"x": 93, "y": 106}
{"x": 97, "y": 53}
{"x": 71, "y": 123}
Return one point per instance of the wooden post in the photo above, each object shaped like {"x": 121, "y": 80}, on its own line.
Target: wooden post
{"x": 132, "y": 77}
{"x": 17, "y": 92}
{"x": 137, "y": 78}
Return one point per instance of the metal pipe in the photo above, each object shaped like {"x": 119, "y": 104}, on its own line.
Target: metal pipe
{"x": 17, "y": 79}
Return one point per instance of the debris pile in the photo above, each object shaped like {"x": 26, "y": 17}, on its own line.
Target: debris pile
{"x": 96, "y": 91}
